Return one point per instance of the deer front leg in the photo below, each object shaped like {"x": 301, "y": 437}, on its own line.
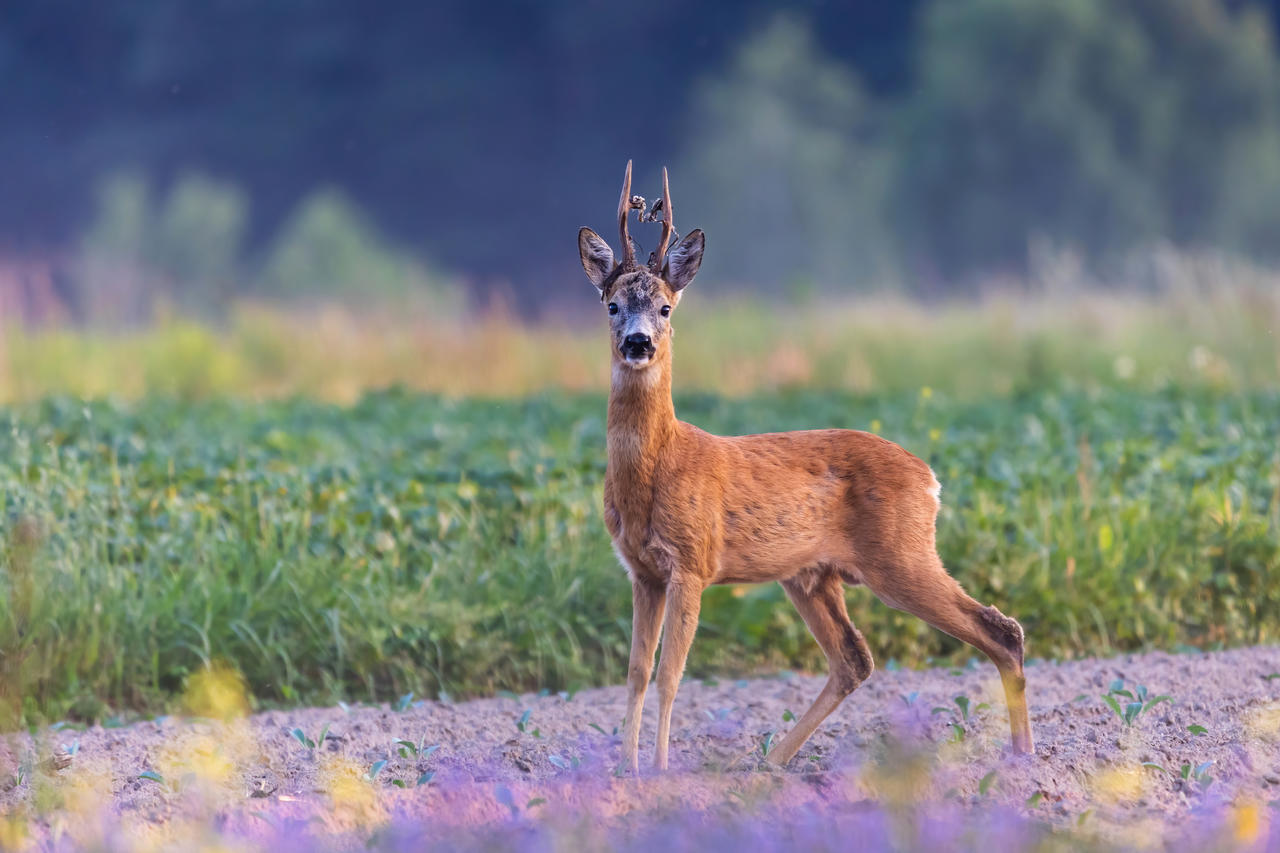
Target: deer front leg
{"x": 684, "y": 599}
{"x": 848, "y": 658}
{"x": 647, "y": 600}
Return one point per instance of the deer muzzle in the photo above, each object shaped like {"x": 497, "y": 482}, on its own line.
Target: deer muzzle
{"x": 637, "y": 346}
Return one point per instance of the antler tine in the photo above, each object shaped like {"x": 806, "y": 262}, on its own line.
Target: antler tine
{"x": 624, "y": 210}
{"x": 660, "y": 253}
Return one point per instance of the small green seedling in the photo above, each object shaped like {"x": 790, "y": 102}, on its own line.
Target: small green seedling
{"x": 909, "y": 699}
{"x": 787, "y": 716}
{"x": 985, "y": 784}
{"x": 535, "y": 801}
{"x": 1200, "y": 774}
{"x": 403, "y": 703}
{"x": 425, "y": 779}
{"x": 310, "y": 744}
{"x": 958, "y": 729}
{"x": 409, "y": 749}
{"x": 1197, "y": 730}
{"x": 1034, "y": 799}
{"x": 1154, "y": 766}
{"x": 1138, "y": 703}
{"x": 766, "y": 744}
{"x": 523, "y": 724}
{"x": 172, "y": 785}
{"x": 598, "y": 728}
{"x": 375, "y": 769}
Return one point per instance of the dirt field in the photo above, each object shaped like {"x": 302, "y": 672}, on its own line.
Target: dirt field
{"x": 503, "y": 761}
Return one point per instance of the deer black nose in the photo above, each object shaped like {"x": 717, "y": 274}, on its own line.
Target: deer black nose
{"x": 637, "y": 344}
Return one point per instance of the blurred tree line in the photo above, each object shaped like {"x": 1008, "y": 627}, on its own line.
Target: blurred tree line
{"x": 301, "y": 146}
{"x": 1097, "y": 126}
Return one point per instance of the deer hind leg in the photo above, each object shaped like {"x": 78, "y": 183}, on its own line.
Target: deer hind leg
{"x": 684, "y": 600}
{"x": 923, "y": 588}
{"x": 848, "y": 658}
{"x": 647, "y": 600}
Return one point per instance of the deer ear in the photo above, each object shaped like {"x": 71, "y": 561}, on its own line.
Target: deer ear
{"x": 683, "y": 261}
{"x": 597, "y": 257}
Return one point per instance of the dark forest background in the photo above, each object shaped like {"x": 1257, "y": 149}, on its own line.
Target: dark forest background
{"x": 228, "y": 146}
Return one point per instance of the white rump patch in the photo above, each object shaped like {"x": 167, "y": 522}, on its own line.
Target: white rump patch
{"x": 935, "y": 490}
{"x": 626, "y": 564}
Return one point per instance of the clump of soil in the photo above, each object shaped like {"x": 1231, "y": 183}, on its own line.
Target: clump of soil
{"x": 937, "y": 735}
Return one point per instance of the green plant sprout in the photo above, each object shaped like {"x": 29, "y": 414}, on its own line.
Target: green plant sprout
{"x": 1138, "y": 703}
{"x": 310, "y": 744}
{"x": 959, "y": 725}
{"x": 409, "y": 749}
{"x": 1200, "y": 774}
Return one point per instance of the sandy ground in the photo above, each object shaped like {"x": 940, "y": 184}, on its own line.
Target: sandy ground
{"x": 495, "y": 759}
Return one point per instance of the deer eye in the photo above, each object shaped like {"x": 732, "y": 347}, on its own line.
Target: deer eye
{"x": 666, "y": 310}
{"x": 613, "y": 308}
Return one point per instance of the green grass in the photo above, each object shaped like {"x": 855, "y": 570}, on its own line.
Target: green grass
{"x": 418, "y": 543}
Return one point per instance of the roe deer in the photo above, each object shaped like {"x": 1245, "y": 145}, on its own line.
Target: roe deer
{"x": 813, "y": 510}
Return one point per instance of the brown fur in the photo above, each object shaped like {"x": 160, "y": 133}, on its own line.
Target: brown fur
{"x": 813, "y": 510}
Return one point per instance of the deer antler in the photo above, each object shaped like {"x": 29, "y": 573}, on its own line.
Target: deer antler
{"x": 660, "y": 253}
{"x": 625, "y": 204}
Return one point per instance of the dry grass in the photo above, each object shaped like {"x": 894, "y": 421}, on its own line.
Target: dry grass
{"x": 1176, "y": 321}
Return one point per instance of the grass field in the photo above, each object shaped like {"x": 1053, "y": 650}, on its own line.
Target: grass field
{"x": 414, "y": 542}
{"x": 245, "y": 493}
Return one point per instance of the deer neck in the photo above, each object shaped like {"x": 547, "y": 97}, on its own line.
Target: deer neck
{"x": 642, "y": 418}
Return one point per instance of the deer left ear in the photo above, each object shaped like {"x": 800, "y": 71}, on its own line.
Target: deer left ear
{"x": 683, "y": 261}
{"x": 597, "y": 257}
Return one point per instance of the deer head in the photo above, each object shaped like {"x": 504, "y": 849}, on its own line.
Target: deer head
{"x": 640, "y": 299}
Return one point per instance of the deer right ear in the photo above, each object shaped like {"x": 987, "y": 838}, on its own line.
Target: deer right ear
{"x": 597, "y": 257}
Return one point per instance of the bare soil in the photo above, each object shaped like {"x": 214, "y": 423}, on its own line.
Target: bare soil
{"x": 554, "y": 755}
